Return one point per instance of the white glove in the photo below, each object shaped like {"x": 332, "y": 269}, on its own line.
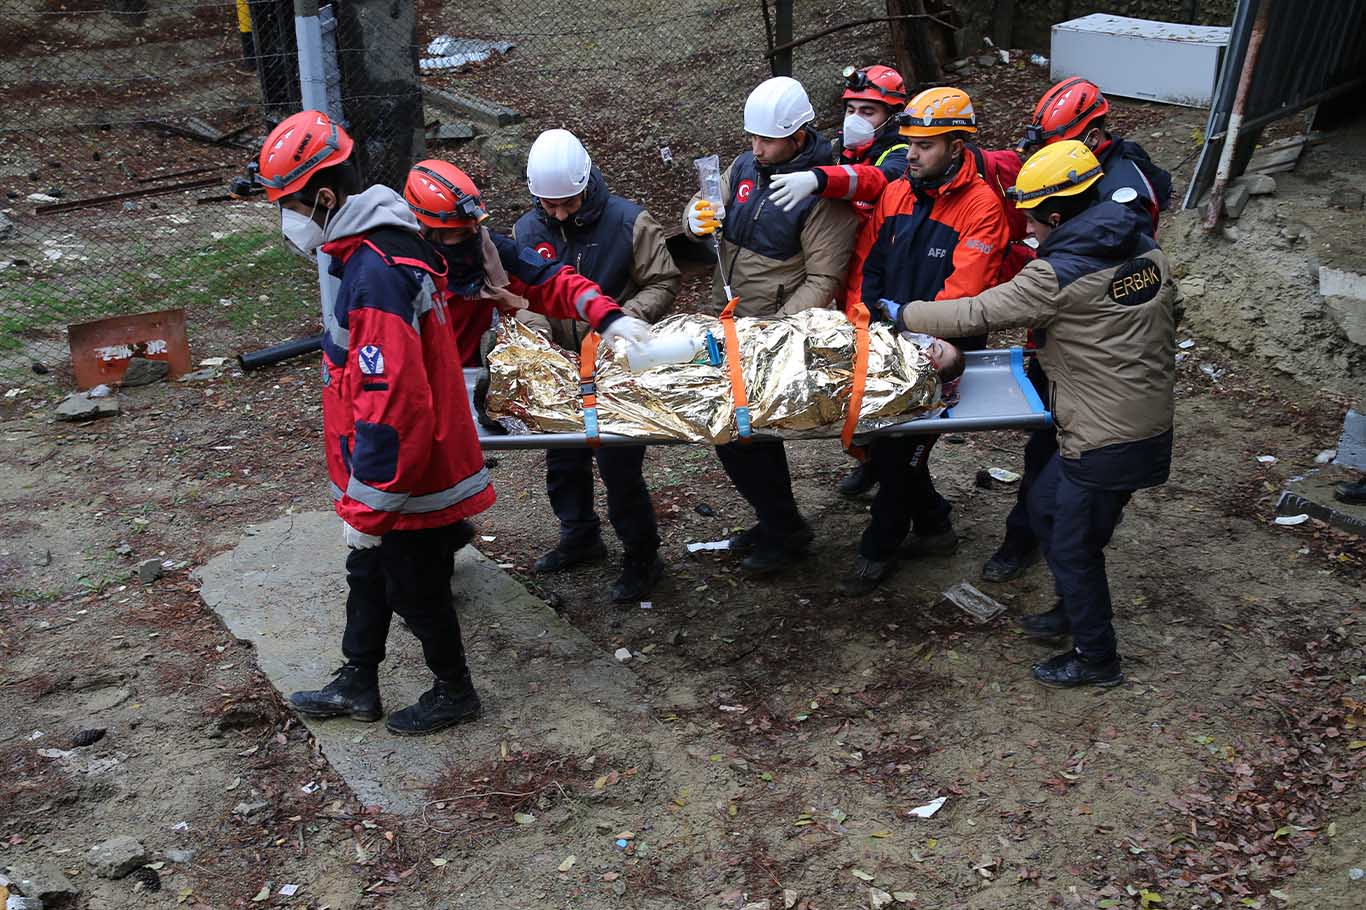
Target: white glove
{"x": 629, "y": 329}
{"x": 790, "y": 189}
{"x": 703, "y": 219}
{"x": 358, "y": 540}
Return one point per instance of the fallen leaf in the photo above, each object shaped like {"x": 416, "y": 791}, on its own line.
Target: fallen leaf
{"x": 439, "y": 861}
{"x": 568, "y": 863}
{"x": 611, "y": 876}
{"x": 861, "y": 875}
{"x": 1357, "y": 744}
{"x": 523, "y": 818}
{"x": 881, "y": 834}
{"x": 263, "y": 894}
{"x": 1147, "y": 898}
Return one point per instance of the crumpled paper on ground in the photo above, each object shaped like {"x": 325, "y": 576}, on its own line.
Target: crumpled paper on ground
{"x": 798, "y": 374}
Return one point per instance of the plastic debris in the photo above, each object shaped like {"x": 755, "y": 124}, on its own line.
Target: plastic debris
{"x": 1038, "y": 59}
{"x": 972, "y": 601}
{"x": 928, "y": 810}
{"x": 709, "y": 545}
{"x": 1267, "y": 459}
{"x": 622, "y": 654}
{"x": 100, "y": 391}
{"x": 1187, "y": 344}
{"x": 1326, "y": 456}
{"x": 647, "y": 605}
{"x": 289, "y": 890}
{"x": 449, "y": 52}
{"x": 1292, "y": 519}
{"x": 1003, "y": 475}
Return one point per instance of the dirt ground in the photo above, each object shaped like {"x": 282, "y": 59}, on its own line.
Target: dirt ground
{"x": 1226, "y": 772}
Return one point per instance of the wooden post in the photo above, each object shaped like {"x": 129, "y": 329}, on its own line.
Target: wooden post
{"x": 1003, "y": 23}
{"x": 922, "y": 45}
{"x": 901, "y": 47}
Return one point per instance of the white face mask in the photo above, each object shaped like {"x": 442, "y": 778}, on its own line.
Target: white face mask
{"x": 858, "y": 131}
{"x": 302, "y": 233}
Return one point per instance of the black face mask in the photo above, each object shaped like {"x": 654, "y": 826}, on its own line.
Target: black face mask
{"x": 465, "y": 266}
{"x": 934, "y": 183}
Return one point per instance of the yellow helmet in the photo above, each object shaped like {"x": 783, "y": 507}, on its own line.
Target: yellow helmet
{"x": 1062, "y": 169}
{"x": 936, "y": 111}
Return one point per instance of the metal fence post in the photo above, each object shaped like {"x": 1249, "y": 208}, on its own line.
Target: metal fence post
{"x": 313, "y": 92}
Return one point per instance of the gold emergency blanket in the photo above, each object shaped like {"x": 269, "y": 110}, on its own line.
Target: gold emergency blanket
{"x": 798, "y": 374}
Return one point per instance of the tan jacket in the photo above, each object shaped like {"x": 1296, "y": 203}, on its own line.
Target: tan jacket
{"x": 1109, "y": 332}
{"x": 644, "y": 278}
{"x": 781, "y": 262}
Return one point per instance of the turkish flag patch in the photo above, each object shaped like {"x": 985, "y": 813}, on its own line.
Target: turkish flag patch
{"x": 546, "y": 250}
{"x": 743, "y": 190}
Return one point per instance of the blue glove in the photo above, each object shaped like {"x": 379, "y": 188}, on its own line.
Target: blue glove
{"x": 891, "y": 309}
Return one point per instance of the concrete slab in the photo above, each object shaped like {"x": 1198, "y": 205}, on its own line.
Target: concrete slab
{"x": 544, "y": 685}
{"x": 1313, "y": 495}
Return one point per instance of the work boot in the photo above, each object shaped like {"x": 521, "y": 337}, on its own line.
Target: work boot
{"x": 443, "y": 705}
{"x": 770, "y": 555}
{"x": 639, "y": 575}
{"x": 1009, "y": 562}
{"x": 1351, "y": 493}
{"x": 857, "y": 482}
{"x": 1070, "y": 670}
{"x": 566, "y": 556}
{"x": 745, "y": 541}
{"x": 866, "y": 576}
{"x": 1046, "y": 626}
{"x": 936, "y": 543}
{"x": 353, "y": 692}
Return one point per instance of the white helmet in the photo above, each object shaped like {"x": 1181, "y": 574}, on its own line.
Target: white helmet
{"x": 777, "y": 108}
{"x": 558, "y": 165}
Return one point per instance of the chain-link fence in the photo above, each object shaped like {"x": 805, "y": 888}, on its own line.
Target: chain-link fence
{"x": 125, "y": 121}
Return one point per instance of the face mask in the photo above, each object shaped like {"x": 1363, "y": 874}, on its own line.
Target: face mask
{"x": 465, "y": 265}
{"x": 302, "y": 233}
{"x": 857, "y": 131}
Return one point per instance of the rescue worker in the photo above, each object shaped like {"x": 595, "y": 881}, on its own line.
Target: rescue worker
{"x": 1074, "y": 109}
{"x": 939, "y": 233}
{"x": 402, "y": 454}
{"x": 1103, "y": 291}
{"x": 619, "y": 245}
{"x": 868, "y": 143}
{"x": 778, "y": 262}
{"x": 490, "y": 272}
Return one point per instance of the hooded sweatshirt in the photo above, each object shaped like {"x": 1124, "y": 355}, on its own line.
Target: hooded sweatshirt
{"x": 402, "y": 452}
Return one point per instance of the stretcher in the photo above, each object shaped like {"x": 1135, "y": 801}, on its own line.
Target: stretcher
{"x": 993, "y": 394}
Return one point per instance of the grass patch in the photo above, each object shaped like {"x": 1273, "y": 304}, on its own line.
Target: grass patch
{"x": 265, "y": 284}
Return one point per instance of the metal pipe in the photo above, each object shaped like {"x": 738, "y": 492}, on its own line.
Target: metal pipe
{"x": 276, "y": 353}
{"x": 1262, "y": 120}
{"x": 1235, "y": 120}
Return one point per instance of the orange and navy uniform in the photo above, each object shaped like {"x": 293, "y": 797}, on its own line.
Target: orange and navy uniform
{"x": 933, "y": 243}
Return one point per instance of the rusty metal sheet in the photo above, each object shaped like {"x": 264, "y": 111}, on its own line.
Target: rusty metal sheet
{"x": 100, "y": 350}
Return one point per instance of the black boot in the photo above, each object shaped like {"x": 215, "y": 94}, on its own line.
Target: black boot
{"x": 565, "y": 557}
{"x": 639, "y": 575}
{"x": 940, "y": 542}
{"x": 1009, "y": 562}
{"x": 1070, "y": 670}
{"x": 1046, "y": 626}
{"x": 866, "y": 576}
{"x": 770, "y": 555}
{"x": 745, "y": 541}
{"x": 353, "y": 693}
{"x": 443, "y": 705}
{"x": 1352, "y": 493}
{"x": 857, "y": 482}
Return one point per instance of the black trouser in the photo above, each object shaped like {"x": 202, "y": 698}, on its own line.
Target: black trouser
{"x": 569, "y": 481}
{"x": 905, "y": 498}
{"x": 1039, "y": 448}
{"x": 760, "y": 474}
{"x": 409, "y": 573}
{"x": 1073, "y": 524}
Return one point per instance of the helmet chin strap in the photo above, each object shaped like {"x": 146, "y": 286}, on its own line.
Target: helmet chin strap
{"x": 933, "y": 183}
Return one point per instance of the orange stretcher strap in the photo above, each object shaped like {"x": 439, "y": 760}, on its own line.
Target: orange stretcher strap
{"x": 588, "y": 387}
{"x": 859, "y": 316}
{"x": 737, "y": 374}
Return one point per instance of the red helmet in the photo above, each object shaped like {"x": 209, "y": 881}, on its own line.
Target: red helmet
{"x": 874, "y": 83}
{"x": 300, "y": 146}
{"x": 1066, "y": 111}
{"x": 441, "y": 195}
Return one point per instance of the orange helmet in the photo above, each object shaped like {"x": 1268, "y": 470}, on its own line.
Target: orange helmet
{"x": 874, "y": 83}
{"x": 441, "y": 195}
{"x": 936, "y": 111}
{"x": 1066, "y": 111}
{"x": 302, "y": 144}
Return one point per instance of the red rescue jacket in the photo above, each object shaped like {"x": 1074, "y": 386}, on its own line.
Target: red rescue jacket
{"x": 402, "y": 452}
